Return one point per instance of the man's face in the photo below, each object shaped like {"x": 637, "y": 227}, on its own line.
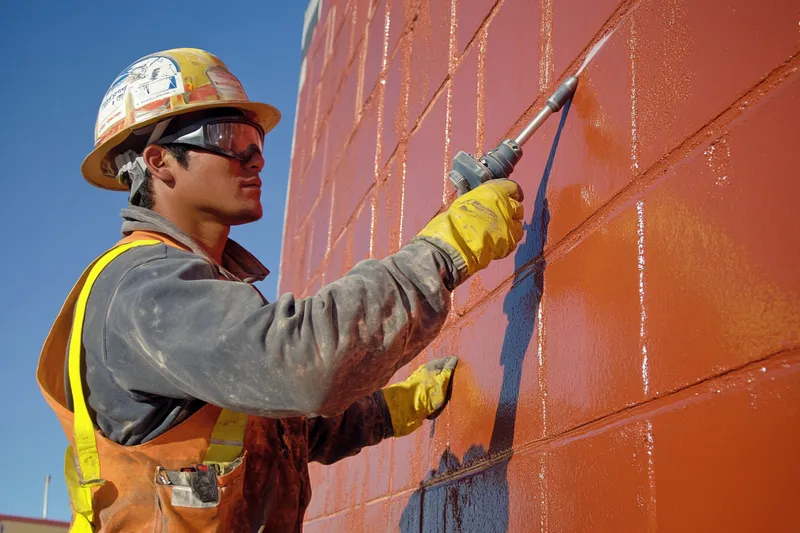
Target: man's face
{"x": 225, "y": 188}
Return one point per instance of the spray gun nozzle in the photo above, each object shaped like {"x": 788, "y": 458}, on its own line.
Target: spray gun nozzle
{"x": 562, "y": 95}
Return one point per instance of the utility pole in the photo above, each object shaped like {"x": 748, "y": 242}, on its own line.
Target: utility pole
{"x": 46, "y": 488}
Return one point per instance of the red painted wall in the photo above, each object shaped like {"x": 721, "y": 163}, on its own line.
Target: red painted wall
{"x": 634, "y": 366}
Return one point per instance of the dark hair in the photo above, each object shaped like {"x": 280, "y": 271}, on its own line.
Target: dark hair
{"x": 146, "y": 198}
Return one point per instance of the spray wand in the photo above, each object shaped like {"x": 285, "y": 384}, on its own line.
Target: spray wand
{"x": 469, "y": 172}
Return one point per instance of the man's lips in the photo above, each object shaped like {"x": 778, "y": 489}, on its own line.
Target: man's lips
{"x": 254, "y": 183}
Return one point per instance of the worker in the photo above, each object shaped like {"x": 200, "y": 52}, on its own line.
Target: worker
{"x": 190, "y": 403}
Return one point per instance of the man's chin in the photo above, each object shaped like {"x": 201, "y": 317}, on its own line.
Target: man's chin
{"x": 246, "y": 217}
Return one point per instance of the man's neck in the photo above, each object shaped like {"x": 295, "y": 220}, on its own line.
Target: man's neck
{"x": 210, "y": 235}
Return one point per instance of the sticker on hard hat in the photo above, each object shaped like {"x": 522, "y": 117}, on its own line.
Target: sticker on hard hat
{"x": 112, "y": 109}
{"x": 227, "y": 85}
{"x": 150, "y": 80}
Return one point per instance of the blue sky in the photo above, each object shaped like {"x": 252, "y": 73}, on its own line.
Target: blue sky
{"x": 61, "y": 58}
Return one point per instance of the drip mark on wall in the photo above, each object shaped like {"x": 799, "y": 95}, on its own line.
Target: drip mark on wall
{"x": 651, "y": 479}
{"x": 362, "y": 66}
{"x": 381, "y": 89}
{"x": 718, "y": 157}
{"x": 451, "y": 61}
{"x": 400, "y": 124}
{"x": 480, "y": 101}
{"x": 540, "y": 359}
{"x": 351, "y": 45}
{"x": 318, "y": 96}
{"x": 378, "y": 155}
{"x": 386, "y": 21}
{"x": 402, "y": 204}
{"x": 454, "y": 314}
{"x": 633, "y": 44}
{"x": 543, "y": 522}
{"x": 642, "y": 309}
{"x": 586, "y": 194}
{"x": 448, "y": 126}
{"x": 546, "y": 48}
{"x": 330, "y": 36}
{"x": 309, "y": 249}
{"x": 372, "y": 202}
{"x": 328, "y": 243}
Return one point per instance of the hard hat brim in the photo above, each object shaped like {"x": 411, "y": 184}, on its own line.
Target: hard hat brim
{"x": 266, "y": 115}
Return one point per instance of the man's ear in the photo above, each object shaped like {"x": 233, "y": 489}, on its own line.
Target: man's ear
{"x": 158, "y": 163}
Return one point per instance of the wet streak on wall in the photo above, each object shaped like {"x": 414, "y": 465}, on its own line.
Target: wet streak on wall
{"x": 634, "y": 365}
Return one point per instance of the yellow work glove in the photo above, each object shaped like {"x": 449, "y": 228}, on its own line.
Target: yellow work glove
{"x": 482, "y": 225}
{"x": 421, "y": 396}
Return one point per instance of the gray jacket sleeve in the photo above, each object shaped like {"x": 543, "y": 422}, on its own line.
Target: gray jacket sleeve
{"x": 173, "y": 329}
{"x": 365, "y": 423}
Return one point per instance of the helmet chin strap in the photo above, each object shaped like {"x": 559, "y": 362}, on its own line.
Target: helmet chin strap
{"x": 131, "y": 172}
{"x": 132, "y": 168}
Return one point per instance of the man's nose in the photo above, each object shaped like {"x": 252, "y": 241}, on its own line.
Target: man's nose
{"x": 256, "y": 162}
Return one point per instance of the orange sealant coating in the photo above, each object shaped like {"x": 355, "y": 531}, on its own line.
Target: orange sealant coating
{"x": 635, "y": 365}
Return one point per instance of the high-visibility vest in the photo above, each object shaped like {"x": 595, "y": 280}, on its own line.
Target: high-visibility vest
{"x": 189, "y": 478}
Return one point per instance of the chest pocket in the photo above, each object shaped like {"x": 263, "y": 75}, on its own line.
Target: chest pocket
{"x": 206, "y": 497}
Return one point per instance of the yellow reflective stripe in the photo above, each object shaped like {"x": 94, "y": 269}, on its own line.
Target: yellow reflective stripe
{"x": 80, "y": 497}
{"x": 85, "y": 443}
{"x": 227, "y": 439}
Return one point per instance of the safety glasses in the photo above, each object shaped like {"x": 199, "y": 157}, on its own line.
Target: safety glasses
{"x": 234, "y": 137}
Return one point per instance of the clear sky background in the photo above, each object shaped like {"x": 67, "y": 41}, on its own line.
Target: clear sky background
{"x": 61, "y": 56}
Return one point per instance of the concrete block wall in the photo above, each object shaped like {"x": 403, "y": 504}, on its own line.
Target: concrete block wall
{"x": 635, "y": 365}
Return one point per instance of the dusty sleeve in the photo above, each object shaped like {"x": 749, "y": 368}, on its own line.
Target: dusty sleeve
{"x": 173, "y": 329}
{"x": 365, "y": 423}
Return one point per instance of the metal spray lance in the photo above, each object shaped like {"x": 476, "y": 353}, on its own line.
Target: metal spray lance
{"x": 469, "y": 172}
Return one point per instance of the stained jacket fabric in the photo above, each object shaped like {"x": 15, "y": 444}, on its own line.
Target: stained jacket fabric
{"x": 164, "y": 336}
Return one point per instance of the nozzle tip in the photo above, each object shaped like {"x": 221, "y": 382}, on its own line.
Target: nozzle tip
{"x": 571, "y": 83}
{"x": 564, "y": 92}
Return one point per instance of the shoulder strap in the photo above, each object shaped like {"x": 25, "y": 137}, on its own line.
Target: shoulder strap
{"x": 227, "y": 438}
{"x": 83, "y": 429}
{"x": 82, "y": 463}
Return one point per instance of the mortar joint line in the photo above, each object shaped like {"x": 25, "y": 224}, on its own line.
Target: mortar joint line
{"x": 624, "y": 415}
{"x": 448, "y": 77}
{"x": 484, "y": 24}
{"x": 334, "y": 514}
{"x": 448, "y": 124}
{"x": 351, "y": 219}
{"x": 645, "y": 180}
{"x": 616, "y": 18}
